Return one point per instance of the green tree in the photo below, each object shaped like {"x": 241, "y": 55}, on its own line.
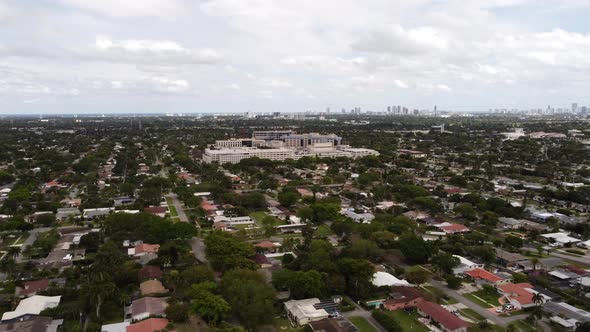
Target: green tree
{"x": 208, "y": 305}
{"x": 251, "y": 299}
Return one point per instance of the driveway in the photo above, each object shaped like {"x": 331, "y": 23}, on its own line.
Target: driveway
{"x": 29, "y": 241}
{"x": 502, "y": 321}
{"x": 360, "y": 312}
{"x": 198, "y": 247}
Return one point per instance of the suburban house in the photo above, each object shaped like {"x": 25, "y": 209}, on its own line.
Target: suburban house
{"x": 482, "y": 276}
{"x": 511, "y": 260}
{"x": 32, "y": 324}
{"x": 440, "y": 316}
{"x": 519, "y": 295}
{"x": 148, "y": 325}
{"x": 267, "y": 247}
{"x": 31, "y": 306}
{"x": 115, "y": 327}
{"x": 303, "y": 312}
{"x": 148, "y": 306}
{"x": 465, "y": 265}
{"x": 152, "y": 287}
{"x": 150, "y": 272}
{"x": 384, "y": 279}
{"x": 332, "y": 324}
{"x": 31, "y": 288}
{"x": 143, "y": 249}
{"x": 403, "y": 297}
{"x": 449, "y": 228}
{"x": 159, "y": 211}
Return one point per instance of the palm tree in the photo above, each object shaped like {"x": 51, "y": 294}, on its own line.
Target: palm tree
{"x": 538, "y": 298}
{"x": 13, "y": 251}
{"x": 98, "y": 289}
{"x": 535, "y": 262}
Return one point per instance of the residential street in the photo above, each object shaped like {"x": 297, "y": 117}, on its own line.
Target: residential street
{"x": 179, "y": 209}
{"x": 502, "y": 321}
{"x": 198, "y": 247}
{"x": 32, "y": 237}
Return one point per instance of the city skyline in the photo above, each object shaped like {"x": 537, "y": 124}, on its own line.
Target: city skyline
{"x": 222, "y": 56}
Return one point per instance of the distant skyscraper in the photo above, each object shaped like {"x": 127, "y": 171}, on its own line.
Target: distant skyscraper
{"x": 574, "y": 107}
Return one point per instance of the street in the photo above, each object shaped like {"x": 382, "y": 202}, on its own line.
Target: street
{"x": 498, "y": 320}
{"x": 32, "y": 237}
{"x": 179, "y": 209}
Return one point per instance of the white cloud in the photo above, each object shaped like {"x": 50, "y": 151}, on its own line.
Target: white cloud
{"x": 398, "y": 40}
{"x": 155, "y": 52}
{"x": 400, "y": 84}
{"x": 128, "y": 8}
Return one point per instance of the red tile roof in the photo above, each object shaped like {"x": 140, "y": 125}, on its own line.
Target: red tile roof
{"x": 146, "y": 248}
{"x": 483, "y": 274}
{"x": 518, "y": 292}
{"x": 150, "y": 272}
{"x": 156, "y": 209}
{"x": 442, "y": 316}
{"x": 265, "y": 245}
{"x": 454, "y": 228}
{"x": 34, "y": 286}
{"x": 148, "y": 325}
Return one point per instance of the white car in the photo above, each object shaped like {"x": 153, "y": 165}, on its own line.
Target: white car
{"x": 499, "y": 310}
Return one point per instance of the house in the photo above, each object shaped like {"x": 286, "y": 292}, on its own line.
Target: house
{"x": 510, "y": 260}
{"x": 465, "y": 265}
{"x": 519, "y": 295}
{"x": 403, "y": 297}
{"x": 32, "y": 324}
{"x": 152, "y": 287}
{"x": 361, "y": 218}
{"x": 143, "y": 249}
{"x": 116, "y": 327}
{"x": 332, "y": 324}
{"x": 262, "y": 261}
{"x": 446, "y": 320}
{"x": 267, "y": 247}
{"x": 482, "y": 276}
{"x": 560, "y": 239}
{"x": 65, "y": 213}
{"x": 303, "y": 312}
{"x": 381, "y": 279}
{"x": 150, "y": 272}
{"x": 159, "y": 211}
{"x": 91, "y": 214}
{"x": 148, "y": 325}
{"x": 449, "y": 228}
{"x": 31, "y": 288}
{"x": 148, "y": 306}
{"x": 31, "y": 306}
{"x": 567, "y": 311}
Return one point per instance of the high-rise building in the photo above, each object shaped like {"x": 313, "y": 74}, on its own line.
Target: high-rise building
{"x": 574, "y": 107}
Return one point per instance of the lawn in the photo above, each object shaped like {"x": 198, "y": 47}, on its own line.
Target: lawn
{"x": 283, "y": 324}
{"x": 489, "y": 299}
{"x": 172, "y": 208}
{"x": 258, "y": 216}
{"x": 524, "y": 327}
{"x": 362, "y": 324}
{"x": 470, "y": 313}
{"x": 409, "y": 321}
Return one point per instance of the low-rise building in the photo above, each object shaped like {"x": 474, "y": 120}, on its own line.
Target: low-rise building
{"x": 303, "y": 312}
{"x": 446, "y": 320}
{"x": 31, "y": 306}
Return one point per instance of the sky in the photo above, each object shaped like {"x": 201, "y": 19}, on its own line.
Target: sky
{"x": 213, "y": 56}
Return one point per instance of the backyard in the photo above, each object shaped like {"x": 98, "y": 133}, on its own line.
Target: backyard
{"x": 408, "y": 321}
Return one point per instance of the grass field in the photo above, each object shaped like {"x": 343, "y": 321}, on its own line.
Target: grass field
{"x": 409, "y": 321}
{"x": 470, "y": 313}
{"x": 362, "y": 324}
{"x": 489, "y": 300}
{"x": 171, "y": 208}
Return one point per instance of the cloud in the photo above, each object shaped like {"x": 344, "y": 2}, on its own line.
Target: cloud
{"x": 400, "y": 84}
{"x": 145, "y": 51}
{"x": 396, "y": 39}
{"x": 127, "y": 8}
